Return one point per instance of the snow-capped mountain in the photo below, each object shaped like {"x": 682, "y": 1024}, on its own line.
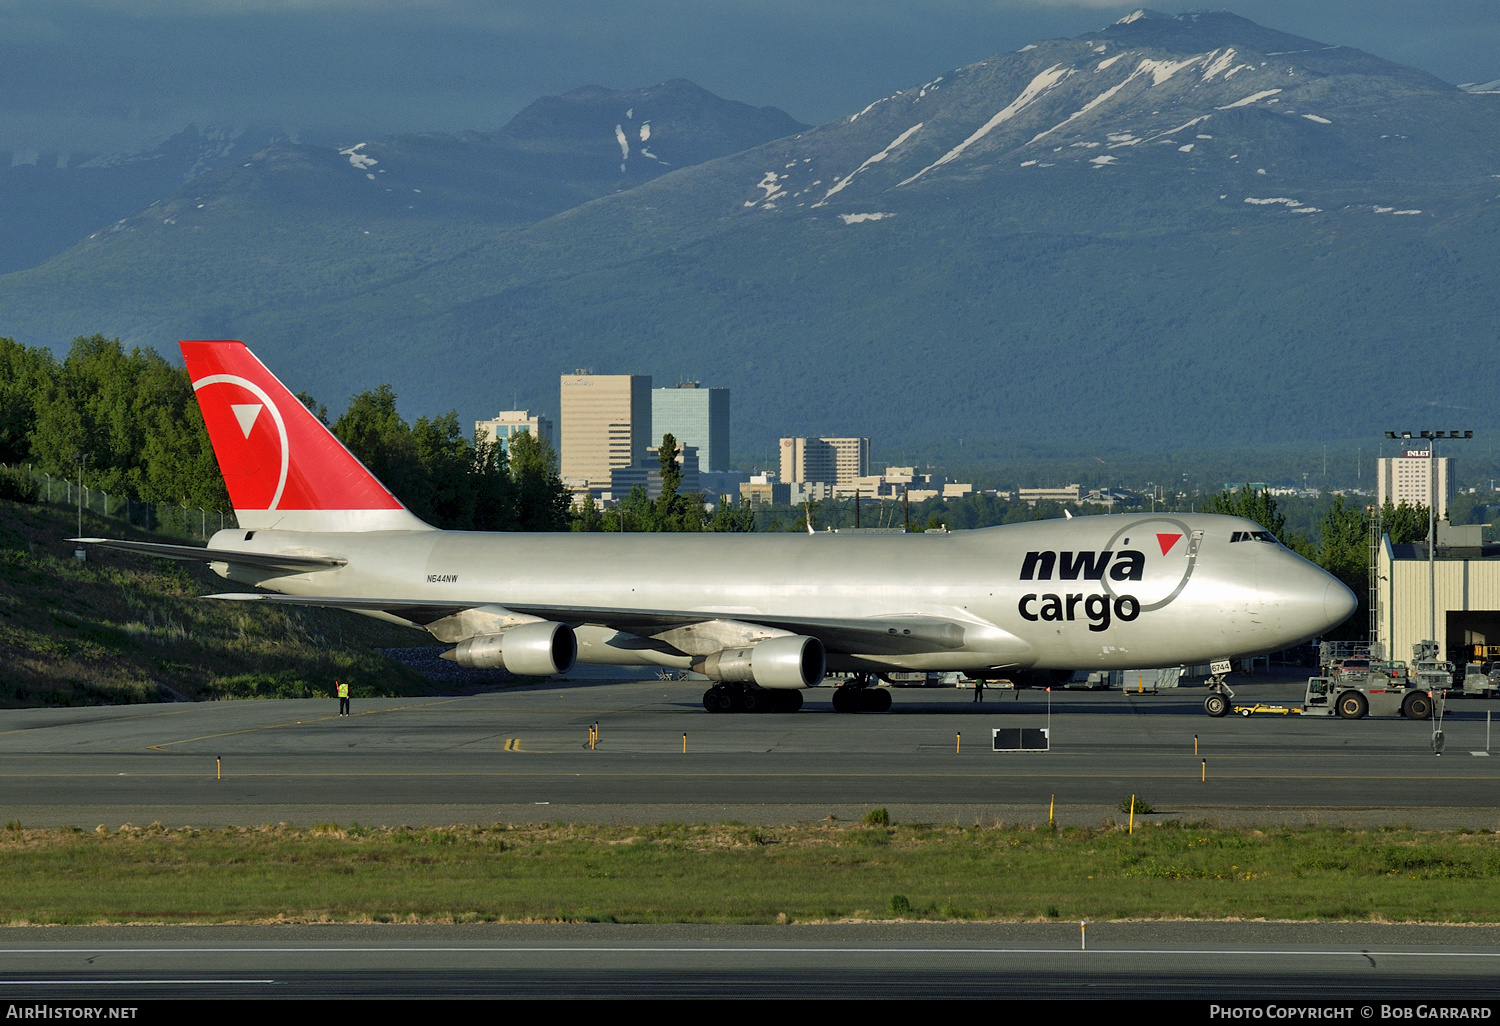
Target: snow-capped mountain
{"x": 1173, "y": 231}
{"x": 48, "y": 201}
{"x": 1199, "y": 97}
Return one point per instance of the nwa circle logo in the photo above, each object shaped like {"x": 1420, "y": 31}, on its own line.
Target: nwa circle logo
{"x": 1124, "y": 590}
{"x": 1171, "y": 571}
{"x": 249, "y": 438}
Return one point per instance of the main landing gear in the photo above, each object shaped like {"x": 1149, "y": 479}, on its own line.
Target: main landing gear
{"x": 859, "y": 696}
{"x": 747, "y": 698}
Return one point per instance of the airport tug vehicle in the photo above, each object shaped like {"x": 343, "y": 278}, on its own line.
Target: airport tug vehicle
{"x": 1352, "y": 688}
{"x": 1354, "y": 700}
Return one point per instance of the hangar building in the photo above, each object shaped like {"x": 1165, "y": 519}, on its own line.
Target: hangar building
{"x": 1467, "y": 578}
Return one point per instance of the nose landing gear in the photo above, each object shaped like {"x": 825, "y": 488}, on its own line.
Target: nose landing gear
{"x": 1220, "y": 695}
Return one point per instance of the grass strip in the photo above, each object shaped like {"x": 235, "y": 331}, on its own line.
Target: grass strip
{"x": 735, "y": 873}
{"x": 123, "y": 628}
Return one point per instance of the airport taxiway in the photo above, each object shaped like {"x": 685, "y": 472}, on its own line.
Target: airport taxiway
{"x": 521, "y": 755}
{"x": 1307, "y": 963}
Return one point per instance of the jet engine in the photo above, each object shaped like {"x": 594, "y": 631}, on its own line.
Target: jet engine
{"x": 537, "y": 649}
{"x": 786, "y": 662}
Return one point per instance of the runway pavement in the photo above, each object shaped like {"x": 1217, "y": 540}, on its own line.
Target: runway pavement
{"x": 521, "y": 755}
{"x": 1318, "y": 964}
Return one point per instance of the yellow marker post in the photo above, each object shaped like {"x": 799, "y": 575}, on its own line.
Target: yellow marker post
{"x": 1131, "y": 828}
{"x": 1204, "y": 777}
{"x": 1083, "y": 935}
{"x": 1195, "y": 744}
{"x": 684, "y": 742}
{"x": 1051, "y": 807}
{"x": 958, "y": 743}
{"x": 218, "y": 767}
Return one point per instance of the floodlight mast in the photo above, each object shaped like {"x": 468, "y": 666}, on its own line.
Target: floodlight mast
{"x": 1432, "y": 437}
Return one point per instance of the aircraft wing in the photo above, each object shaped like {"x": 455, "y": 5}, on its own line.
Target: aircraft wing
{"x": 198, "y": 554}
{"x": 873, "y": 636}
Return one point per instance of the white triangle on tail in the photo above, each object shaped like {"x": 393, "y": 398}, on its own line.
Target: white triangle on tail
{"x": 246, "y": 413}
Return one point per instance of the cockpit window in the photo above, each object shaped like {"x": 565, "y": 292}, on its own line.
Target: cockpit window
{"x": 1260, "y": 536}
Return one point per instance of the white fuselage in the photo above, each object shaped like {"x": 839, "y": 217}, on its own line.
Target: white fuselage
{"x": 1107, "y": 592}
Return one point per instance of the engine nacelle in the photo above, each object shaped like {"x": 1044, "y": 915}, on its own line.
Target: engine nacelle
{"x": 782, "y": 663}
{"x": 530, "y": 649}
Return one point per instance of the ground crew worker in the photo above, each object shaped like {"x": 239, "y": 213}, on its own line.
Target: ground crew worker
{"x": 979, "y": 690}
{"x": 343, "y": 690}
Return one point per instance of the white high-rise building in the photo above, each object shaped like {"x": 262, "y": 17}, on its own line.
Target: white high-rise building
{"x": 510, "y": 422}
{"x": 833, "y": 461}
{"x": 1409, "y": 478}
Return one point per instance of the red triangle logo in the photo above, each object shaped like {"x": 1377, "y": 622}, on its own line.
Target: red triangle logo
{"x": 1166, "y": 541}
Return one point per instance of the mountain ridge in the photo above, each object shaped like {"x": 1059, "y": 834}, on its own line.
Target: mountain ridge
{"x": 1149, "y": 231}
{"x": 51, "y": 200}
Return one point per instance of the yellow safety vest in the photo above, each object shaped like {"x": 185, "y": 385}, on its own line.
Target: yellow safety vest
{"x": 343, "y": 691}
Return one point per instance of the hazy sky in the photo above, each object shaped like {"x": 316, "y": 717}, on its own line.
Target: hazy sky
{"x": 89, "y": 75}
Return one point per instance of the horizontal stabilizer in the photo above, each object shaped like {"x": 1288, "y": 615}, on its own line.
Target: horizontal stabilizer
{"x": 194, "y": 553}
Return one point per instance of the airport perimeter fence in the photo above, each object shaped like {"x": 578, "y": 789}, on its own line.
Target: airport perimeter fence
{"x": 166, "y": 518}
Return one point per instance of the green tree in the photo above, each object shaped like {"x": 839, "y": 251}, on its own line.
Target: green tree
{"x": 1404, "y": 523}
{"x": 447, "y": 461}
{"x": 26, "y": 380}
{"x": 1344, "y": 542}
{"x": 731, "y": 517}
{"x": 633, "y": 514}
{"x": 494, "y": 491}
{"x": 1045, "y": 509}
{"x": 1021, "y": 512}
{"x": 587, "y": 517}
{"x": 673, "y": 511}
{"x": 177, "y": 461}
{"x": 1254, "y": 504}
{"x": 442, "y": 477}
{"x": 542, "y": 503}
{"x": 1344, "y": 551}
{"x": 375, "y": 433}
{"x": 137, "y": 418}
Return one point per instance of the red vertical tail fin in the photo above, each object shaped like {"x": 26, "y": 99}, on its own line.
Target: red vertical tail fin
{"x": 283, "y": 467}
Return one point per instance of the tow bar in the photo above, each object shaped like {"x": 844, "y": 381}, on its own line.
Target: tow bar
{"x": 1279, "y": 710}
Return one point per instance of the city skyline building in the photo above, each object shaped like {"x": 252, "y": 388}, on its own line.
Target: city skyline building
{"x": 509, "y": 422}
{"x": 1408, "y": 478}
{"x": 647, "y": 473}
{"x": 605, "y": 422}
{"x": 832, "y": 461}
{"x": 694, "y": 416}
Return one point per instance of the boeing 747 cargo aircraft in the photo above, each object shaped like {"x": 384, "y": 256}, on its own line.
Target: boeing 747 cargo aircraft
{"x": 763, "y": 616}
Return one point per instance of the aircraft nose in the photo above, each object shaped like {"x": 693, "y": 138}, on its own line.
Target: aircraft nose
{"x": 1339, "y": 603}
{"x": 1308, "y": 600}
